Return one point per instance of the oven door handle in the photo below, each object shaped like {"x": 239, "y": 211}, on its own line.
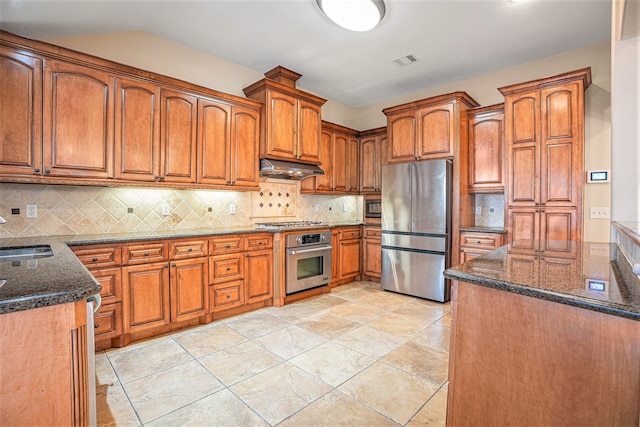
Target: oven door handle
{"x": 306, "y": 251}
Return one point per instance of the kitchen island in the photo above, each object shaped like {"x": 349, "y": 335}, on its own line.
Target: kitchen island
{"x": 545, "y": 338}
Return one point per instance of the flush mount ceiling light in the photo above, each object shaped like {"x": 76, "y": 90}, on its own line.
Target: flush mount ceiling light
{"x": 354, "y": 15}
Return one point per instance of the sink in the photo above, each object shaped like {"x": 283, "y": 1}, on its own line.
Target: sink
{"x": 18, "y": 253}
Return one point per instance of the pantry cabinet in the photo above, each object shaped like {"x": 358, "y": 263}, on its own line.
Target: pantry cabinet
{"x": 427, "y": 129}
{"x": 544, "y": 123}
{"x": 486, "y": 149}
{"x": 21, "y": 124}
{"x": 372, "y": 154}
{"x": 291, "y": 118}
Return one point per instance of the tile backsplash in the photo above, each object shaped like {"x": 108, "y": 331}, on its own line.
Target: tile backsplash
{"x": 64, "y": 209}
{"x": 492, "y": 206}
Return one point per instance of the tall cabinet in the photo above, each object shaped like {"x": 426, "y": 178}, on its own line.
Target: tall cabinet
{"x": 544, "y": 127}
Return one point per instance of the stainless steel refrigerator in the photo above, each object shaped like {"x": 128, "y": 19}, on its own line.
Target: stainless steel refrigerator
{"x": 416, "y": 228}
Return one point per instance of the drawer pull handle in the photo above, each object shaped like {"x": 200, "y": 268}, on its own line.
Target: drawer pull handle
{"x": 478, "y": 241}
{"x": 190, "y": 250}
{"x": 146, "y": 254}
{"x": 228, "y": 246}
{"x": 228, "y": 268}
{"x": 173, "y": 265}
{"x": 228, "y": 296}
{"x": 259, "y": 243}
{"x": 96, "y": 326}
{"x": 95, "y": 259}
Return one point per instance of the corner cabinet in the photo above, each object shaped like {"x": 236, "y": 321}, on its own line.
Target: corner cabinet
{"x": 291, "y": 118}
{"x": 426, "y": 129}
{"x": 373, "y": 153}
{"x": 544, "y": 124}
{"x": 486, "y": 149}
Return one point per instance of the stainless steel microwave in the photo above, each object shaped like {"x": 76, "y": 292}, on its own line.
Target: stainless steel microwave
{"x": 373, "y": 208}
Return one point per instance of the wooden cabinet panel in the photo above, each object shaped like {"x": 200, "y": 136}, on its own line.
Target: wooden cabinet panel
{"x": 144, "y": 253}
{"x": 226, "y": 295}
{"x": 146, "y": 302}
{"x": 282, "y": 125}
{"x": 21, "y": 113}
{"x": 178, "y": 136}
{"x": 222, "y": 245}
{"x": 370, "y": 163}
{"x": 108, "y": 321}
{"x": 557, "y": 228}
{"x": 223, "y": 268}
{"x": 323, "y": 182}
{"x": 524, "y": 228}
{"x": 475, "y": 243}
{"x": 353, "y": 165}
{"x": 349, "y": 258}
{"x": 214, "y": 142}
{"x": 372, "y": 252}
{"x": 78, "y": 121}
{"x": 137, "y": 130}
{"x": 486, "y": 149}
{"x": 523, "y": 173}
{"x": 259, "y": 276}
{"x": 111, "y": 281}
{"x": 245, "y": 139}
{"x": 188, "y": 249}
{"x": 98, "y": 256}
{"x": 261, "y": 241}
{"x": 308, "y": 132}
{"x": 525, "y": 116}
{"x": 435, "y": 132}
{"x": 339, "y": 164}
{"x": 189, "y": 285}
{"x": 402, "y": 133}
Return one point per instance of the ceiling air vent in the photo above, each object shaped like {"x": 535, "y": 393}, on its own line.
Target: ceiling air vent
{"x": 403, "y": 61}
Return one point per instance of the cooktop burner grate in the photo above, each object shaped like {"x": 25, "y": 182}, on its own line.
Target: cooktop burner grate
{"x": 287, "y": 224}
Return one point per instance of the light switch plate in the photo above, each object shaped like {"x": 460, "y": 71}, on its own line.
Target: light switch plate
{"x": 166, "y": 210}
{"x": 478, "y": 210}
{"x": 600, "y": 213}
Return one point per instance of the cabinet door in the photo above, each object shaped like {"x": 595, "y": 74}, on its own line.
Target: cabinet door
{"x": 349, "y": 258}
{"x": 78, "y": 121}
{"x": 435, "y": 132}
{"x": 137, "y": 130}
{"x": 226, "y": 295}
{"x": 523, "y": 226}
{"x": 146, "y": 296}
{"x": 308, "y": 132}
{"x": 323, "y": 182}
{"x": 370, "y": 165}
{"x": 214, "y": 142}
{"x": 353, "y": 165}
{"x": 522, "y": 113}
{"x": 561, "y": 170}
{"x": 486, "y": 151}
{"x": 223, "y": 268}
{"x": 339, "y": 164}
{"x": 401, "y": 130}
{"x": 189, "y": 287}
{"x": 178, "y": 137}
{"x": 111, "y": 281}
{"x": 558, "y": 227}
{"x": 259, "y": 276}
{"x": 21, "y": 114}
{"x": 282, "y": 125}
{"x": 108, "y": 321}
{"x": 245, "y": 137}
{"x": 372, "y": 257}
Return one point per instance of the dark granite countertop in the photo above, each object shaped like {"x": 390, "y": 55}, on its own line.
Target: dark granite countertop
{"x": 573, "y": 277}
{"x": 62, "y": 278}
{"x": 481, "y": 229}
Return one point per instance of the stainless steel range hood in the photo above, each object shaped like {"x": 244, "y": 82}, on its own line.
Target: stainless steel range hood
{"x": 287, "y": 170}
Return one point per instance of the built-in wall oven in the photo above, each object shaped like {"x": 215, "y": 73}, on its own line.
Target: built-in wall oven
{"x": 308, "y": 260}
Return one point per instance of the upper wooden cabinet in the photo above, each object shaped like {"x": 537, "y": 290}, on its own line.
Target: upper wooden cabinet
{"x": 21, "y": 114}
{"x": 372, "y": 155}
{"x": 291, "y": 118}
{"x": 70, "y": 118}
{"x": 339, "y": 153}
{"x": 544, "y": 128}
{"x": 78, "y": 121}
{"x": 486, "y": 149}
{"x": 426, "y": 129}
{"x": 228, "y": 138}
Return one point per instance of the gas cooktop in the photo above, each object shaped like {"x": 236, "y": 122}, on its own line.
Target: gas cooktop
{"x": 289, "y": 224}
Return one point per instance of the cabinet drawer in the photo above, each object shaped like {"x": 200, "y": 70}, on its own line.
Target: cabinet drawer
{"x": 480, "y": 240}
{"x": 259, "y": 242}
{"x": 190, "y": 249}
{"x": 373, "y": 233}
{"x": 351, "y": 233}
{"x": 98, "y": 257}
{"x": 226, "y": 245}
{"x": 223, "y": 268}
{"x": 108, "y": 321}
{"x": 226, "y": 296}
{"x": 144, "y": 253}
{"x": 111, "y": 281}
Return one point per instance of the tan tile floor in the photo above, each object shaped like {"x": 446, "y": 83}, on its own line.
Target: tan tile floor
{"x": 356, "y": 356}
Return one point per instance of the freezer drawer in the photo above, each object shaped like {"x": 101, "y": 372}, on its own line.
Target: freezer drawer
{"x": 426, "y": 243}
{"x": 415, "y": 273}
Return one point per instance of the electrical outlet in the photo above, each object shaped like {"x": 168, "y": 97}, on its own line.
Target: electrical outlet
{"x": 166, "y": 210}
{"x": 344, "y": 208}
{"x": 316, "y": 207}
{"x": 32, "y": 211}
{"x": 232, "y": 209}
{"x": 478, "y": 210}
{"x": 600, "y": 213}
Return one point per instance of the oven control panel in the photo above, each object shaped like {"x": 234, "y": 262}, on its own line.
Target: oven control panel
{"x": 305, "y": 239}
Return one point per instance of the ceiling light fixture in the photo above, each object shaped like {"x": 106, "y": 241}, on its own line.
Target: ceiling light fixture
{"x": 354, "y": 15}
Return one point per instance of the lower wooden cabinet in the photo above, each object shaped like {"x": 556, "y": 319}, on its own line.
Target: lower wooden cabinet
{"x": 146, "y": 296}
{"x": 259, "y": 276}
{"x": 225, "y": 296}
{"x": 476, "y": 243}
{"x": 188, "y": 280}
{"x": 347, "y": 254}
{"x": 372, "y": 253}
{"x": 544, "y": 229}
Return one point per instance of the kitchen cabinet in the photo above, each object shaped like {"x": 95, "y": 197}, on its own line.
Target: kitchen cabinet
{"x": 290, "y": 120}
{"x": 486, "y": 149}
{"x": 544, "y": 126}
{"x": 474, "y": 244}
{"x": 21, "y": 124}
{"x": 77, "y": 122}
{"x": 228, "y": 142}
{"x": 240, "y": 271}
{"x": 347, "y": 254}
{"x": 427, "y": 129}
{"x": 339, "y": 153}
{"x": 372, "y": 154}
{"x": 178, "y": 124}
{"x": 372, "y": 253}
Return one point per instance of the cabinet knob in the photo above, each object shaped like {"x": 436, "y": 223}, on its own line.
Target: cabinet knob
{"x": 173, "y": 265}
{"x": 95, "y": 259}
{"x": 259, "y": 243}
{"x": 162, "y": 178}
{"x": 478, "y": 241}
{"x": 47, "y": 171}
{"x": 461, "y": 250}
{"x": 246, "y": 255}
{"x": 146, "y": 254}
{"x": 166, "y": 266}
{"x": 228, "y": 296}
{"x": 228, "y": 246}
{"x": 156, "y": 177}
{"x": 228, "y": 268}
{"x": 190, "y": 250}
{"x": 96, "y": 325}
{"x": 37, "y": 170}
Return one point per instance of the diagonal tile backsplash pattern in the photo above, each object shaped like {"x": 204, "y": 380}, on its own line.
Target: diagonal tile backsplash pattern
{"x": 64, "y": 209}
